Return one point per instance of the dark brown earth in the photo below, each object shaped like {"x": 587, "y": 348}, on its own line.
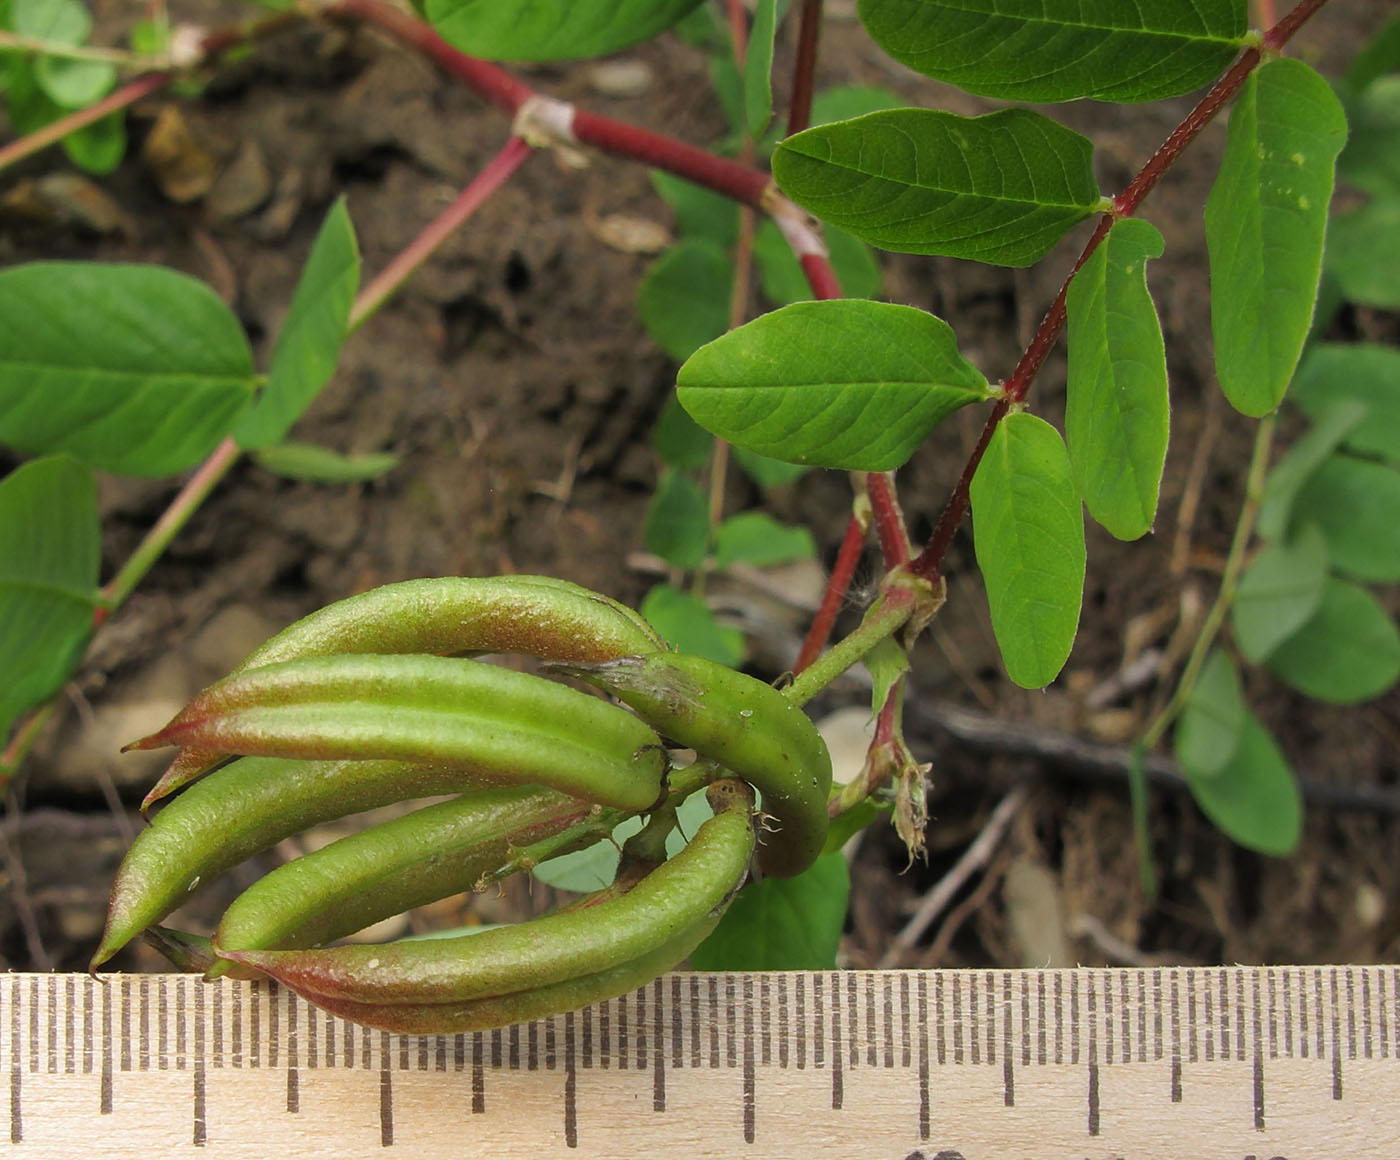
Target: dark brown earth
{"x": 518, "y": 388}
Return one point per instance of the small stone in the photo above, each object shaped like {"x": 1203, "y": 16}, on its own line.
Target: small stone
{"x": 227, "y": 638}
{"x": 182, "y": 167}
{"x": 242, "y": 187}
{"x": 630, "y": 235}
{"x": 621, "y": 79}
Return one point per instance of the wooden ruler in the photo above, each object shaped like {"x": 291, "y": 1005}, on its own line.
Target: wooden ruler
{"x": 1226, "y": 1063}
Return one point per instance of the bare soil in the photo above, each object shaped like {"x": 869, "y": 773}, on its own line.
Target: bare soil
{"x": 518, "y": 388}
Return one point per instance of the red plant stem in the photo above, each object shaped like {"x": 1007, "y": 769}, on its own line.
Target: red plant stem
{"x": 842, "y": 573}
{"x": 929, "y": 562}
{"x": 804, "y": 67}
{"x": 889, "y": 523}
{"x": 486, "y": 80}
{"x": 55, "y": 131}
{"x": 493, "y": 175}
{"x": 820, "y": 276}
{"x": 743, "y": 183}
{"x": 738, "y": 31}
{"x": 740, "y": 182}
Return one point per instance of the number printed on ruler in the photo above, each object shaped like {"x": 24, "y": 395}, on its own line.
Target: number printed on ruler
{"x": 1208, "y": 1062}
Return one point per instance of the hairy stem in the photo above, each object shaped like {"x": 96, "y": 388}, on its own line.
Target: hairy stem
{"x": 889, "y": 520}
{"x": 929, "y": 562}
{"x": 884, "y": 619}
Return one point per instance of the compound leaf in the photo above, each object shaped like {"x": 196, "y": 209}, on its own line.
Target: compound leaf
{"x": 551, "y": 29}
{"x": 782, "y": 924}
{"x": 1062, "y": 50}
{"x": 1348, "y": 651}
{"x": 1255, "y": 799}
{"x": 1028, "y": 530}
{"x": 1001, "y": 188}
{"x": 1117, "y": 410}
{"x": 50, "y": 550}
{"x": 1212, "y": 720}
{"x": 1279, "y": 593}
{"x": 842, "y": 383}
{"x": 132, "y": 369}
{"x": 1265, "y": 222}
{"x": 308, "y": 345}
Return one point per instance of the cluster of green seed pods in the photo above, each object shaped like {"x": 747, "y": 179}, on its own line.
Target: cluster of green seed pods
{"x": 379, "y": 699}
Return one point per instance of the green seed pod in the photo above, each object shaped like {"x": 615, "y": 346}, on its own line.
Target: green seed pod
{"x": 242, "y": 809}
{"x": 742, "y": 724}
{"x": 520, "y": 1006}
{"x": 542, "y": 953}
{"x": 532, "y": 615}
{"x": 428, "y": 711}
{"x": 432, "y": 853}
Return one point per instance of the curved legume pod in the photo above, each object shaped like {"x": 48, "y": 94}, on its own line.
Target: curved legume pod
{"x": 533, "y": 615}
{"x": 431, "y": 853}
{"x": 242, "y": 809}
{"x": 430, "y": 711}
{"x": 519, "y": 1006}
{"x": 744, "y": 725}
{"x": 544, "y": 952}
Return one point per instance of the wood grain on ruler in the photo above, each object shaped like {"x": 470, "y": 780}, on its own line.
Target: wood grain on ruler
{"x": 1193, "y": 1061}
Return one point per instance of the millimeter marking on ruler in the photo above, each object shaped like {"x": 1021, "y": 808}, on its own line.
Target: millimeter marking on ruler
{"x": 763, "y": 1057}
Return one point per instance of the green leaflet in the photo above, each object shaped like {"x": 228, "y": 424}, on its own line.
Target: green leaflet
{"x": 1061, "y": 50}
{"x": 1265, "y": 221}
{"x": 690, "y": 627}
{"x": 1366, "y": 372}
{"x": 551, "y": 29}
{"x": 845, "y": 383}
{"x": 1002, "y": 188}
{"x": 782, "y": 924}
{"x": 74, "y": 84}
{"x": 1212, "y": 720}
{"x": 1356, "y": 503}
{"x": 758, "y": 67}
{"x": 700, "y": 213}
{"x": 678, "y": 521}
{"x": 768, "y": 472}
{"x": 1349, "y": 651}
{"x": 308, "y": 345}
{"x": 50, "y": 549}
{"x": 1363, "y": 253}
{"x": 1255, "y": 799}
{"x": 679, "y": 440}
{"x": 1302, "y": 461}
{"x": 684, "y": 298}
{"x": 1279, "y": 593}
{"x": 1117, "y": 411}
{"x": 757, "y": 538}
{"x": 1371, "y": 161}
{"x": 132, "y": 369}
{"x": 1028, "y": 530}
